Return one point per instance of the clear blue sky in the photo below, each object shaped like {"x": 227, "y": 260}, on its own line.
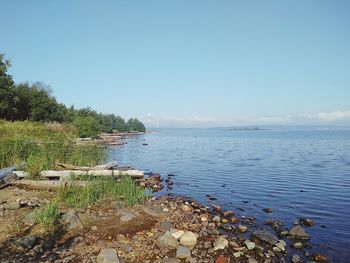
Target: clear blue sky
{"x": 187, "y": 63}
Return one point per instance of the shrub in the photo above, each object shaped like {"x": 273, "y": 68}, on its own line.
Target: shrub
{"x": 48, "y": 215}
{"x": 87, "y": 126}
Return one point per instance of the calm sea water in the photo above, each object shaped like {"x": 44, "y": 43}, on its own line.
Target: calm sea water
{"x": 297, "y": 172}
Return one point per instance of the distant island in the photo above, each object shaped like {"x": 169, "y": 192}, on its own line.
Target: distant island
{"x": 245, "y": 129}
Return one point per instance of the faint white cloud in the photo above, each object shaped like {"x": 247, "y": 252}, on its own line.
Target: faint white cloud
{"x": 330, "y": 116}
{"x": 152, "y": 120}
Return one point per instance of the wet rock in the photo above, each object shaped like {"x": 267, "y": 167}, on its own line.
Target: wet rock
{"x": 217, "y": 208}
{"x": 188, "y": 239}
{"x": 267, "y": 210}
{"x": 242, "y": 229}
{"x": 183, "y": 252}
{"x": 27, "y": 242}
{"x": 265, "y": 237}
{"x": 295, "y": 259}
{"x": 297, "y": 232}
{"x": 297, "y": 245}
{"x": 306, "y": 222}
{"x": 167, "y": 241}
{"x": 71, "y": 220}
{"x": 234, "y": 220}
{"x": 320, "y": 258}
{"x": 249, "y": 244}
{"x": 220, "y": 243}
{"x": 228, "y": 213}
{"x": 29, "y": 219}
{"x": 108, "y": 255}
{"x": 281, "y": 245}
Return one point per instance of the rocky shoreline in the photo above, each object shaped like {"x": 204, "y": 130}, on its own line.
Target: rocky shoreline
{"x": 165, "y": 229}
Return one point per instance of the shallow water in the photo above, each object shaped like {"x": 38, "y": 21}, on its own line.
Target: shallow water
{"x": 297, "y": 172}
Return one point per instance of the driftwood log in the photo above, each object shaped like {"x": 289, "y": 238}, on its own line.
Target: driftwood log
{"x": 48, "y": 184}
{"x": 65, "y": 175}
{"x": 106, "y": 166}
{"x": 7, "y": 176}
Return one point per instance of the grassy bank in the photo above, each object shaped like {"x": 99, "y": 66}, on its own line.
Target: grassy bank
{"x": 36, "y": 146}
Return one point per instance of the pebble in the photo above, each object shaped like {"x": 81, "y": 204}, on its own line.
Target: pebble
{"x": 297, "y": 245}
{"x": 234, "y": 220}
{"x": 222, "y": 259}
{"x": 188, "y": 239}
{"x": 186, "y": 208}
{"x": 183, "y": 252}
{"x": 242, "y": 228}
{"x": 249, "y": 244}
{"x": 220, "y": 243}
{"x": 295, "y": 259}
{"x": 228, "y": 213}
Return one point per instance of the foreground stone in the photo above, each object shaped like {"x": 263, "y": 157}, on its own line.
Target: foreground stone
{"x": 188, "y": 239}
{"x": 183, "y": 252}
{"x": 220, "y": 243}
{"x": 297, "y": 232}
{"x": 108, "y": 255}
{"x": 71, "y": 220}
{"x": 265, "y": 237}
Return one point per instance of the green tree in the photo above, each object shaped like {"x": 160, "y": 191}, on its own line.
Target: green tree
{"x": 8, "y": 98}
{"x": 134, "y": 125}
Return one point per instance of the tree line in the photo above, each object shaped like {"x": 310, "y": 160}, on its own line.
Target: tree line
{"x": 35, "y": 102}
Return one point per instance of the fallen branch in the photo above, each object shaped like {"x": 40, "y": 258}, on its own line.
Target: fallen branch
{"x": 7, "y": 176}
{"x": 107, "y": 166}
{"x": 65, "y": 175}
{"x": 48, "y": 184}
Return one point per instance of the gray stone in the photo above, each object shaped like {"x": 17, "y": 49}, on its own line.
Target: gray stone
{"x": 27, "y": 242}
{"x": 297, "y": 232}
{"x": 183, "y": 252}
{"x": 265, "y": 237}
{"x": 165, "y": 226}
{"x": 108, "y": 255}
{"x": 295, "y": 259}
{"x": 188, "y": 239}
{"x": 167, "y": 241}
{"x": 29, "y": 219}
{"x": 250, "y": 245}
{"x": 71, "y": 220}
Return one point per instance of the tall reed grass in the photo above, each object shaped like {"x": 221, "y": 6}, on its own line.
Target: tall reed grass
{"x": 36, "y": 146}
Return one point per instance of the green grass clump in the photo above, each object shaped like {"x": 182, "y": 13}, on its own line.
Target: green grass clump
{"x": 48, "y": 216}
{"x": 99, "y": 188}
{"x": 36, "y": 146}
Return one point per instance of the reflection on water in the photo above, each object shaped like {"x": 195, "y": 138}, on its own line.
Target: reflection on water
{"x": 298, "y": 173}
